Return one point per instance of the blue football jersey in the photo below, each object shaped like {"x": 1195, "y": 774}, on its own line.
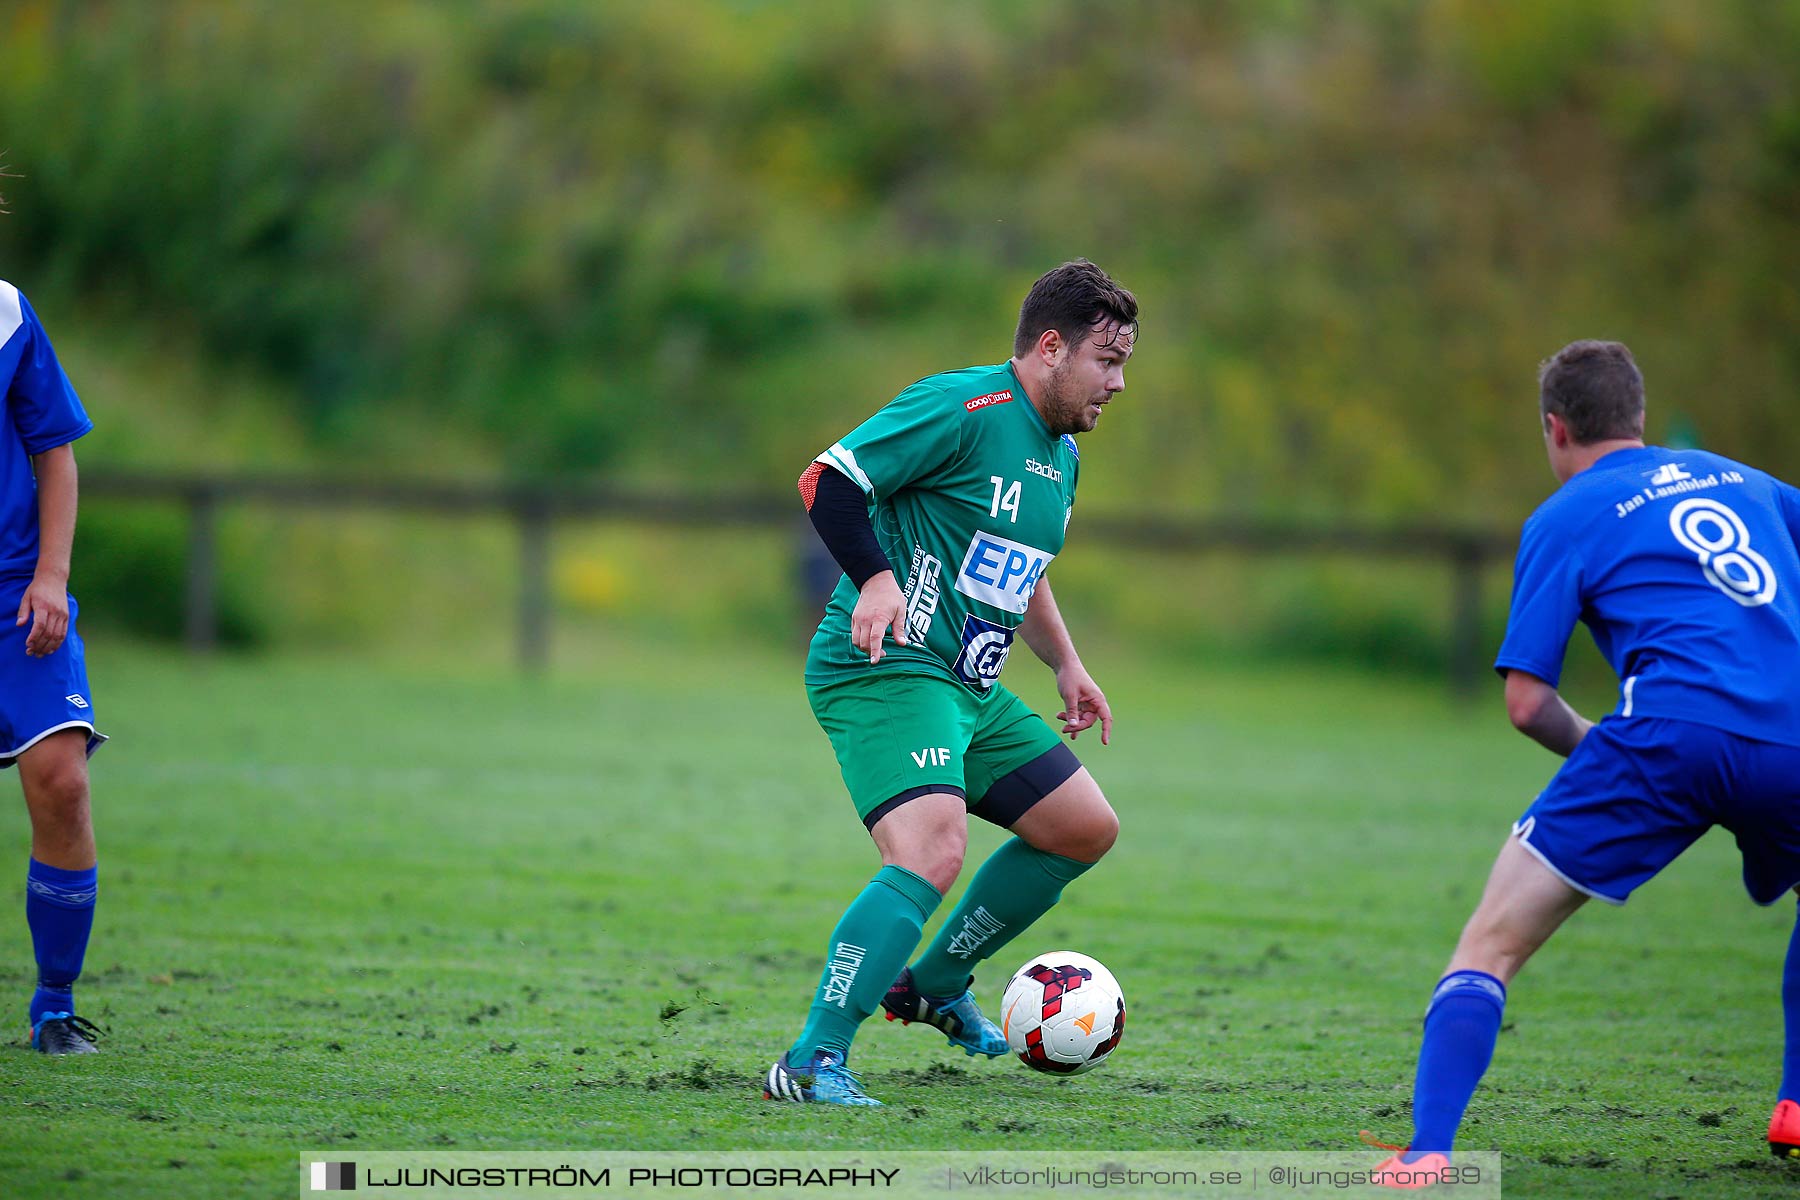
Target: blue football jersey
{"x": 41, "y": 412}
{"x": 1682, "y": 564}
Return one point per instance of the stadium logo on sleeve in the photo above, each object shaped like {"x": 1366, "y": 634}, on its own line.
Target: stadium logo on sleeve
{"x": 989, "y": 400}
{"x": 984, "y": 649}
{"x": 1001, "y": 572}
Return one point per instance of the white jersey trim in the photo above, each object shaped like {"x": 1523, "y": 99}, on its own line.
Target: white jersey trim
{"x": 12, "y": 313}
{"x": 1522, "y": 831}
{"x": 845, "y": 461}
{"x": 1630, "y": 684}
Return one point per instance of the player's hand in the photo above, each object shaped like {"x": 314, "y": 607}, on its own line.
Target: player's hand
{"x": 878, "y": 607}
{"x": 46, "y": 605}
{"x": 1083, "y": 703}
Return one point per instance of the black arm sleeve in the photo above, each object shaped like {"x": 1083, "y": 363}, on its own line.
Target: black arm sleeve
{"x": 840, "y": 512}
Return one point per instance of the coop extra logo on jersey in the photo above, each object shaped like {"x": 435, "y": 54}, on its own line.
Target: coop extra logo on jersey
{"x": 1001, "y": 572}
{"x": 987, "y": 401}
{"x": 984, "y": 649}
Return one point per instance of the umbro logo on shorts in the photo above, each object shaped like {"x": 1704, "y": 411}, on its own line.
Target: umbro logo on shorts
{"x": 77, "y": 701}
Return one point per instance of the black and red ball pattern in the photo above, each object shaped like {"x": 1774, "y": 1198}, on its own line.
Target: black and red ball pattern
{"x": 1058, "y": 982}
{"x": 1035, "y": 1055}
{"x": 1112, "y": 1043}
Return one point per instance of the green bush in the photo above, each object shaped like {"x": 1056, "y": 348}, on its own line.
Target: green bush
{"x": 130, "y": 572}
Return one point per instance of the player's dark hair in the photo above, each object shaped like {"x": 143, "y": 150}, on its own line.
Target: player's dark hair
{"x": 1596, "y": 388}
{"x": 1075, "y": 299}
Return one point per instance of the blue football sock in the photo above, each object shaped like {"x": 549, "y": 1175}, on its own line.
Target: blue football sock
{"x": 59, "y": 908}
{"x": 1461, "y": 1025}
{"x": 1790, "y": 1011}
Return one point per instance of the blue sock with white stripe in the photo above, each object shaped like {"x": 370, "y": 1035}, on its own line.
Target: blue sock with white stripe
{"x": 59, "y": 907}
{"x": 1461, "y": 1025}
{"x": 1790, "y": 1011}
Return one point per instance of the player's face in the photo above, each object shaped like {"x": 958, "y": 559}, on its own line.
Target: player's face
{"x": 1086, "y": 377}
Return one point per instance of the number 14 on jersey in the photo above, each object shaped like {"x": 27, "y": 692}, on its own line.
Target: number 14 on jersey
{"x": 1006, "y": 499}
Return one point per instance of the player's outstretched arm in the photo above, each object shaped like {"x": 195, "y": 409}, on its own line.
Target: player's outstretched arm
{"x": 1538, "y": 711}
{"x": 1083, "y": 701}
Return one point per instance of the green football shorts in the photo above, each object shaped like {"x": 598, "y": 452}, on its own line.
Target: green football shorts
{"x": 898, "y": 736}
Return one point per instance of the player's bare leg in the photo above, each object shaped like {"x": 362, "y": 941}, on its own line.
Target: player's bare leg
{"x": 55, "y": 778}
{"x": 60, "y": 896}
{"x": 1523, "y": 904}
{"x": 1074, "y": 821}
{"x": 927, "y": 836}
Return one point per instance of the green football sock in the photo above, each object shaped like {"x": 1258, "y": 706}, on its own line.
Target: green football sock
{"x": 1014, "y": 887}
{"x": 868, "y": 949}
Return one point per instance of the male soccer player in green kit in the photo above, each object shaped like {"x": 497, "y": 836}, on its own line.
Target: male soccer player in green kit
{"x": 945, "y": 509}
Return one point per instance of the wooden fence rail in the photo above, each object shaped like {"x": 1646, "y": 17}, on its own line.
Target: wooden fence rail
{"x": 535, "y": 510}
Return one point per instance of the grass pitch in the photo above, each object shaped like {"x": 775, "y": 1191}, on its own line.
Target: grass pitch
{"x": 354, "y": 907}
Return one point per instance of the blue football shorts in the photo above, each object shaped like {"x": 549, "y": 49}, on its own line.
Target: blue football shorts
{"x": 39, "y": 696}
{"x": 1638, "y": 791}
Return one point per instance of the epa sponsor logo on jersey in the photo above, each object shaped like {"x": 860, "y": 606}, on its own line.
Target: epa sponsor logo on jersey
{"x": 922, "y": 590}
{"x": 989, "y": 400}
{"x": 1045, "y": 469}
{"x": 1001, "y": 572}
{"x": 984, "y": 649}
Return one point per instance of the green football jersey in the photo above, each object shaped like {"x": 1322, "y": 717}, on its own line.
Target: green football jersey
{"x": 970, "y": 494}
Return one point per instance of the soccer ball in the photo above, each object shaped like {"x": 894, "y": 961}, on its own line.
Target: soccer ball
{"x": 1062, "y": 1013}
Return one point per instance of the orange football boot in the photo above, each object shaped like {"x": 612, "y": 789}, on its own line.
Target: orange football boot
{"x": 1404, "y": 1176}
{"x": 1784, "y": 1130}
